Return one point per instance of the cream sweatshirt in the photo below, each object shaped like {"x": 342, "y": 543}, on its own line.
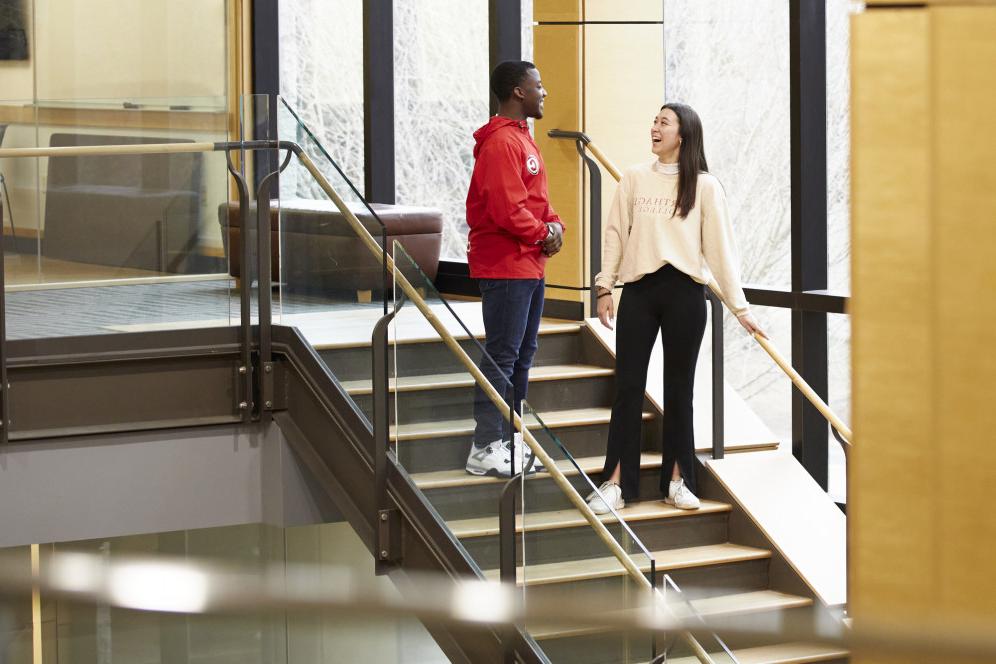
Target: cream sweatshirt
{"x": 642, "y": 235}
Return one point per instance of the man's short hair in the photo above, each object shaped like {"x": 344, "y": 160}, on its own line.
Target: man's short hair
{"x": 507, "y": 76}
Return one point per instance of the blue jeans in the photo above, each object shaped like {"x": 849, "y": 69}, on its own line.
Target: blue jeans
{"x": 511, "y": 309}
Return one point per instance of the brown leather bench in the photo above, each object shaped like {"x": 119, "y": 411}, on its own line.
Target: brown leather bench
{"x": 321, "y": 251}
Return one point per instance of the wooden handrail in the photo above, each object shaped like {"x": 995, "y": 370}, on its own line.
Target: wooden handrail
{"x": 766, "y": 344}
{"x": 106, "y": 150}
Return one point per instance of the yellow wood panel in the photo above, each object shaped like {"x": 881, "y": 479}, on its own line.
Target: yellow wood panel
{"x": 891, "y": 506}
{"x": 964, "y": 306}
{"x": 932, "y": 3}
{"x": 557, "y": 53}
{"x": 924, "y": 319}
{"x": 557, "y": 10}
{"x": 621, "y": 100}
{"x": 630, "y": 10}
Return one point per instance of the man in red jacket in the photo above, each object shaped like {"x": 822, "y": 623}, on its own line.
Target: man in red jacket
{"x": 513, "y": 230}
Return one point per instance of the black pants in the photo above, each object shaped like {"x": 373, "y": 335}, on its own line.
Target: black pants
{"x": 672, "y": 303}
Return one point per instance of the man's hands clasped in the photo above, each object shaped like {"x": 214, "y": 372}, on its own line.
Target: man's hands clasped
{"x": 554, "y": 241}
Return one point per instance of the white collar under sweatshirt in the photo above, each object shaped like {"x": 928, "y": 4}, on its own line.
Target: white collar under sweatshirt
{"x": 642, "y": 235}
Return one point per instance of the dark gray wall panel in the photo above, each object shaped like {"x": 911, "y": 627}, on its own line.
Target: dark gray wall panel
{"x": 123, "y": 484}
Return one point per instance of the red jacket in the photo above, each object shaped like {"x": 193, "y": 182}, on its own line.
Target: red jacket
{"x": 508, "y": 205}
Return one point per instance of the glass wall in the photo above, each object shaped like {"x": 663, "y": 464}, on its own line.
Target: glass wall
{"x": 440, "y": 86}
{"x": 729, "y": 60}
{"x": 321, "y": 78}
{"x": 102, "y": 72}
{"x": 441, "y": 98}
{"x": 75, "y": 632}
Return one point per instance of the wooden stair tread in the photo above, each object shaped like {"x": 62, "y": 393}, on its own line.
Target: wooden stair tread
{"x": 552, "y": 419}
{"x": 464, "y": 379}
{"x": 421, "y": 337}
{"x": 782, "y": 653}
{"x": 439, "y": 479}
{"x": 750, "y": 602}
{"x": 756, "y": 601}
{"x": 597, "y": 568}
{"x": 571, "y": 518}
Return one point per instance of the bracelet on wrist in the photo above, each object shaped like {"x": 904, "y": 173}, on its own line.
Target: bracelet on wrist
{"x": 601, "y": 295}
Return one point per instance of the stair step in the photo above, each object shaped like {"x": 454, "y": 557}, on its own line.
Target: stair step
{"x": 440, "y": 479}
{"x": 354, "y": 331}
{"x": 783, "y": 653}
{"x": 539, "y": 521}
{"x": 757, "y": 601}
{"x": 671, "y": 559}
{"x": 552, "y": 419}
{"x": 464, "y": 379}
{"x": 751, "y": 602}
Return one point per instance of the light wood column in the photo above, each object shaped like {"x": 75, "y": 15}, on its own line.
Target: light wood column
{"x": 923, "y": 317}
{"x": 603, "y": 64}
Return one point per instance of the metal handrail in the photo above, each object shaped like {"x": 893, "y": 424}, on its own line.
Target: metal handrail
{"x": 832, "y": 418}
{"x": 410, "y": 292}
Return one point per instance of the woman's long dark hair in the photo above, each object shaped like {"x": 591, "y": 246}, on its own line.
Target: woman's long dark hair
{"x": 691, "y": 156}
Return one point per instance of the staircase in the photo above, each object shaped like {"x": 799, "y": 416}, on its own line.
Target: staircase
{"x": 572, "y": 388}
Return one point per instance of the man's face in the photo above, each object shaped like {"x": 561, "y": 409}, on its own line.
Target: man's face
{"x": 533, "y": 94}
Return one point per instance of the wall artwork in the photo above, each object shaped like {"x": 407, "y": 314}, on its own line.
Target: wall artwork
{"x": 13, "y": 31}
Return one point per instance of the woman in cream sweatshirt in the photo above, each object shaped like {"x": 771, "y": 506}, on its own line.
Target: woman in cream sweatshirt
{"x": 668, "y": 233}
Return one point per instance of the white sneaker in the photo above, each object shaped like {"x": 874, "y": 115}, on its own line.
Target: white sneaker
{"x": 495, "y": 459}
{"x": 523, "y": 453}
{"x": 611, "y": 495}
{"x": 679, "y": 496}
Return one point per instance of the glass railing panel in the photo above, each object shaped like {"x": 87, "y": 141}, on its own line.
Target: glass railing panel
{"x": 437, "y": 416}
{"x": 331, "y": 278}
{"x": 565, "y": 557}
{"x": 113, "y": 243}
{"x": 680, "y": 604}
{"x": 446, "y": 432}
{"x": 333, "y": 282}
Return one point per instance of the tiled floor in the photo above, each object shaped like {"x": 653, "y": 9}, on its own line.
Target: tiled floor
{"x": 108, "y": 309}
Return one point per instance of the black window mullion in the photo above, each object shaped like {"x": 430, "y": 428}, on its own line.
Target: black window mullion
{"x": 807, "y": 67}
{"x": 504, "y": 35}
{"x": 378, "y": 101}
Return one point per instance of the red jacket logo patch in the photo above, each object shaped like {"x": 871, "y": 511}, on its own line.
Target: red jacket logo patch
{"x": 532, "y": 164}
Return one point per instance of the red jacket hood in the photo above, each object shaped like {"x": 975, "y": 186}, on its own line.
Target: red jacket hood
{"x": 496, "y": 123}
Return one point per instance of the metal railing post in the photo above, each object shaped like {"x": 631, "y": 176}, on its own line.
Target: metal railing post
{"x": 718, "y": 392}
{"x": 581, "y": 141}
{"x": 264, "y": 298}
{"x": 386, "y": 517}
{"x": 594, "y": 224}
{"x": 506, "y": 550}
{"x": 245, "y": 368}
